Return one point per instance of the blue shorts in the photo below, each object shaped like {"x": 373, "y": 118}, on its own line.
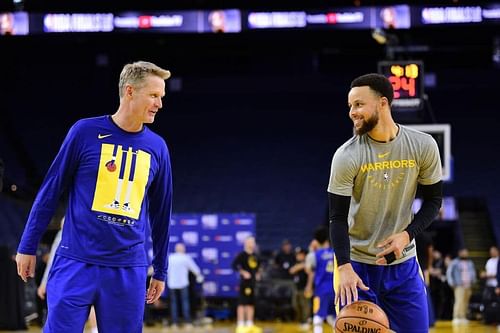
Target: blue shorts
{"x": 324, "y": 305}
{"x": 117, "y": 293}
{"x": 400, "y": 291}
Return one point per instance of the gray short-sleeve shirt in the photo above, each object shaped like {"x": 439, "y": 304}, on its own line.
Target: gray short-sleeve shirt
{"x": 382, "y": 180}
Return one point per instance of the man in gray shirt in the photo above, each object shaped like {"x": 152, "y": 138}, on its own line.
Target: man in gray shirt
{"x": 373, "y": 183}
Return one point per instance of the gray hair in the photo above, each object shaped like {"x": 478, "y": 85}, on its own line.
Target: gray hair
{"x": 136, "y": 73}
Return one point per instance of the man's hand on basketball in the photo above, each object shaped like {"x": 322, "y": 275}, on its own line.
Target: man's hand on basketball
{"x": 25, "y": 266}
{"x": 154, "y": 291}
{"x": 349, "y": 282}
{"x": 393, "y": 247}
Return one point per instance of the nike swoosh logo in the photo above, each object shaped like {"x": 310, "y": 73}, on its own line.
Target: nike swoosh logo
{"x": 383, "y": 155}
{"x": 102, "y": 136}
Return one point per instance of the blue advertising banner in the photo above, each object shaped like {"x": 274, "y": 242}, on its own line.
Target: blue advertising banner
{"x": 213, "y": 241}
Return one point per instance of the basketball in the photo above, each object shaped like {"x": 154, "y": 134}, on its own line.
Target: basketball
{"x": 363, "y": 317}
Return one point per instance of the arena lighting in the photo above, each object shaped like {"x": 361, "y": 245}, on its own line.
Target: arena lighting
{"x": 379, "y": 36}
{"x": 384, "y": 38}
{"x": 18, "y": 4}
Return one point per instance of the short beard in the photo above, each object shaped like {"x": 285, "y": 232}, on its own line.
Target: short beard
{"x": 368, "y": 125}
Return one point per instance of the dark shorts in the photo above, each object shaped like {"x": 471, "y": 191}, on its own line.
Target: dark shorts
{"x": 247, "y": 292}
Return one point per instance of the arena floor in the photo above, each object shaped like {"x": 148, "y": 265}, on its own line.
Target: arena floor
{"x": 272, "y": 327}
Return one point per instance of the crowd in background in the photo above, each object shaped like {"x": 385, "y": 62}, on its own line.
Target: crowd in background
{"x": 457, "y": 290}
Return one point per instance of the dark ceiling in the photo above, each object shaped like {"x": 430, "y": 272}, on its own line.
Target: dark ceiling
{"x": 117, "y": 5}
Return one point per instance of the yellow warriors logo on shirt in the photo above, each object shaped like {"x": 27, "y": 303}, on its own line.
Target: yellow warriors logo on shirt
{"x": 121, "y": 180}
{"x": 252, "y": 262}
{"x": 387, "y": 174}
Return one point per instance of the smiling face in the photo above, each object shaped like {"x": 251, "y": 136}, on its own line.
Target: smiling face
{"x": 145, "y": 99}
{"x": 364, "y": 108}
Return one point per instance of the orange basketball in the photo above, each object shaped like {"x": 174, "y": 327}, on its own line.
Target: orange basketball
{"x": 362, "y": 316}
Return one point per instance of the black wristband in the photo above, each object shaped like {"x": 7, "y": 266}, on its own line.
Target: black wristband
{"x": 390, "y": 258}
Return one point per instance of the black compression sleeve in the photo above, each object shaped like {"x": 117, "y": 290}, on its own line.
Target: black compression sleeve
{"x": 339, "y": 228}
{"x": 432, "y": 196}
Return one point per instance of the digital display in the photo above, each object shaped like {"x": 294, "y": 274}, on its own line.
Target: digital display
{"x": 394, "y": 17}
{"x": 401, "y": 16}
{"x": 14, "y": 23}
{"x": 222, "y": 21}
{"x": 407, "y": 78}
{"x": 345, "y": 18}
{"x": 492, "y": 13}
{"x": 268, "y": 20}
{"x": 352, "y": 18}
{"x": 182, "y": 21}
{"x": 78, "y": 22}
{"x": 440, "y": 15}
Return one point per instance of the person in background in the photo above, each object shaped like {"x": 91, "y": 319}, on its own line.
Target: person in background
{"x": 118, "y": 175}
{"x": 425, "y": 249}
{"x": 437, "y": 283}
{"x": 491, "y": 295}
{"x": 497, "y": 290}
{"x": 285, "y": 258}
{"x": 461, "y": 275}
{"x": 310, "y": 257}
{"x": 490, "y": 275}
{"x": 302, "y": 303}
{"x": 179, "y": 266}
{"x": 320, "y": 268}
{"x": 12, "y": 293}
{"x": 449, "y": 298}
{"x": 247, "y": 265}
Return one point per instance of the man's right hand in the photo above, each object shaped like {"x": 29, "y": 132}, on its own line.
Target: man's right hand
{"x": 41, "y": 291}
{"x": 245, "y": 274}
{"x": 349, "y": 282}
{"x": 25, "y": 266}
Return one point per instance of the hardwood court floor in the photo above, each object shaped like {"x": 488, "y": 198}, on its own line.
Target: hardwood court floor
{"x": 274, "y": 327}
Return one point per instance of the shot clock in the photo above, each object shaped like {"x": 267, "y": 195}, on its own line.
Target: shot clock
{"x": 407, "y": 78}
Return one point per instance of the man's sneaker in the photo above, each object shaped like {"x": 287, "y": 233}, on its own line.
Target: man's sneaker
{"x": 242, "y": 329}
{"x": 254, "y": 329}
{"x": 304, "y": 327}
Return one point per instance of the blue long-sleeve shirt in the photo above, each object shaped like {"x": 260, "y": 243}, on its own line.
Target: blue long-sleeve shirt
{"x": 461, "y": 273}
{"x": 117, "y": 182}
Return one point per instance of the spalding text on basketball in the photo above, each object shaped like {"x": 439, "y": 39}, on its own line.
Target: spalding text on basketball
{"x": 348, "y": 327}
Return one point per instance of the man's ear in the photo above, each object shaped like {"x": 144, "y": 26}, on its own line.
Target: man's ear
{"x": 129, "y": 90}
{"x": 384, "y": 101}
